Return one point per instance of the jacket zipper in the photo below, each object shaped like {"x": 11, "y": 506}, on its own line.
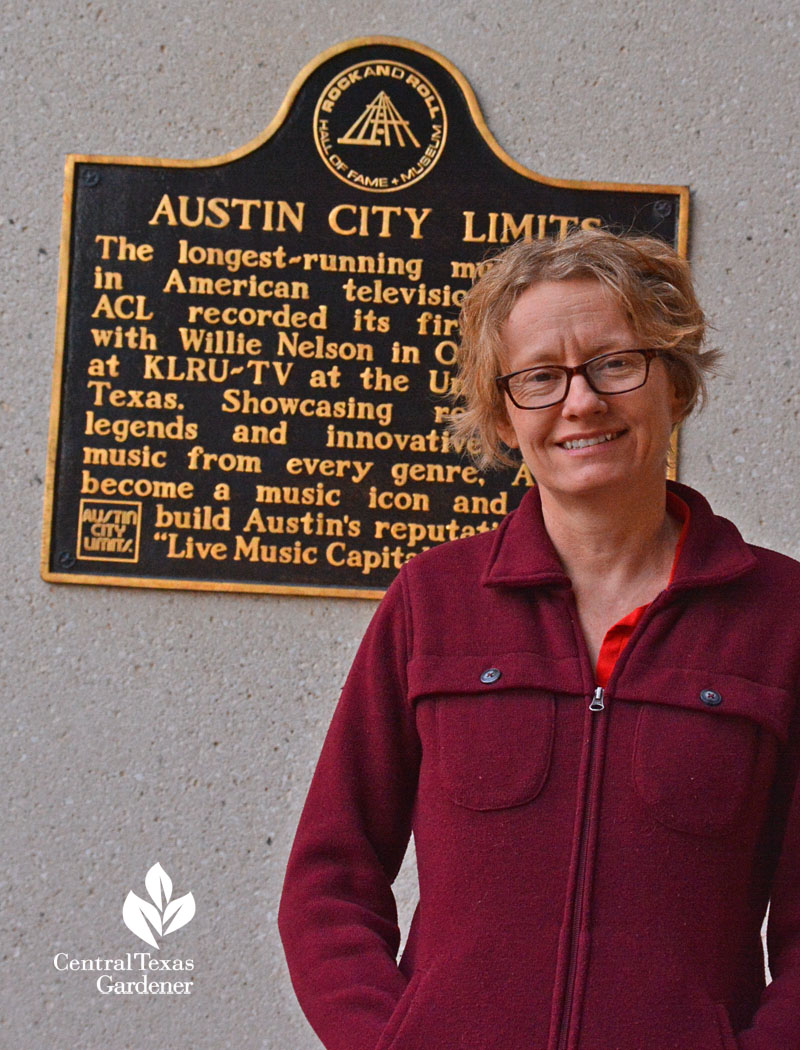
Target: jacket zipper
{"x": 596, "y": 705}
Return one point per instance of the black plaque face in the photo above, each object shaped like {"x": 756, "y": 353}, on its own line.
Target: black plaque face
{"x": 255, "y": 353}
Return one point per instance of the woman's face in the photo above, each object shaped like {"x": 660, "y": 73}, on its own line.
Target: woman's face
{"x": 566, "y": 323}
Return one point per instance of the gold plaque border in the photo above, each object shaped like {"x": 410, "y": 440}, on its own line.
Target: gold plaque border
{"x": 682, "y": 192}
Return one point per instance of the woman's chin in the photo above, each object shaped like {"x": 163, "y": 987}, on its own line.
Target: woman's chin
{"x": 589, "y": 480}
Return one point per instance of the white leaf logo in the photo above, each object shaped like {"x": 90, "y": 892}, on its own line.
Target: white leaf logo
{"x": 135, "y": 914}
{"x": 164, "y": 915}
{"x": 159, "y": 886}
{"x": 178, "y": 912}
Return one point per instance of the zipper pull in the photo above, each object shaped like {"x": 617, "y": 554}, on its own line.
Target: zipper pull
{"x": 597, "y": 699}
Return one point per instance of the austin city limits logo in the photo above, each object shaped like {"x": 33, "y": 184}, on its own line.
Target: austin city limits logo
{"x": 139, "y": 972}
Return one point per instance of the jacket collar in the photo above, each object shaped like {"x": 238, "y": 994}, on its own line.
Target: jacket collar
{"x": 522, "y": 554}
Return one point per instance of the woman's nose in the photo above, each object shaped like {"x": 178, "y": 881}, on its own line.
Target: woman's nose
{"x": 581, "y": 399}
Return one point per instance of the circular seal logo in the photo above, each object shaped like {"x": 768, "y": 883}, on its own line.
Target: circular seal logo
{"x": 380, "y": 126}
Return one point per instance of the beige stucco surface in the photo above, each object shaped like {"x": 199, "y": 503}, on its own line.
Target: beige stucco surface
{"x": 143, "y": 726}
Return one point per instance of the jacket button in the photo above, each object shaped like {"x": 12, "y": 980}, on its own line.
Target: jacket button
{"x": 491, "y": 674}
{"x": 711, "y": 697}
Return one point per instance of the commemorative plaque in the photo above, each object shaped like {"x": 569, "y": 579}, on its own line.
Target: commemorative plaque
{"x": 255, "y": 353}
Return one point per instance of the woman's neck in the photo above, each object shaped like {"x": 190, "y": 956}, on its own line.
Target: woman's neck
{"x": 618, "y": 554}
{"x": 627, "y": 543}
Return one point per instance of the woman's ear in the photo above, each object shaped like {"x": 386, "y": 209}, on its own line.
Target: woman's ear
{"x": 679, "y": 407}
{"x": 680, "y": 410}
{"x": 507, "y": 433}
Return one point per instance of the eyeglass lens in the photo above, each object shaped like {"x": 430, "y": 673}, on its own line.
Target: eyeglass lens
{"x": 609, "y": 374}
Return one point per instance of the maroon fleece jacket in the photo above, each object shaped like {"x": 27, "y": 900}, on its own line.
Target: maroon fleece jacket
{"x": 594, "y": 869}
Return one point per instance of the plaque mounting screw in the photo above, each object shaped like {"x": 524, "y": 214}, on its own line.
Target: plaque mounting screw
{"x": 91, "y": 178}
{"x": 662, "y": 209}
{"x": 66, "y": 559}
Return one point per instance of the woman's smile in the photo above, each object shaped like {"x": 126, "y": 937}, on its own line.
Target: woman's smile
{"x": 581, "y": 442}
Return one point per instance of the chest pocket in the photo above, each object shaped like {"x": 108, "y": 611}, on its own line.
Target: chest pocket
{"x": 493, "y": 726}
{"x": 705, "y": 747}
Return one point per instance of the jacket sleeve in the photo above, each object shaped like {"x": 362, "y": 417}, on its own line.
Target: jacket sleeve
{"x": 338, "y": 918}
{"x": 777, "y": 1020}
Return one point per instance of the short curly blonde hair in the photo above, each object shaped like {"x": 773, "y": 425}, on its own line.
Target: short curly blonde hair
{"x": 651, "y": 282}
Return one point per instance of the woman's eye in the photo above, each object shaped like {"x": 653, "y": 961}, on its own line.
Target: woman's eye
{"x": 541, "y": 377}
{"x": 620, "y": 363}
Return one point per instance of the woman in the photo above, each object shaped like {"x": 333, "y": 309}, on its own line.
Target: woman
{"x": 588, "y": 717}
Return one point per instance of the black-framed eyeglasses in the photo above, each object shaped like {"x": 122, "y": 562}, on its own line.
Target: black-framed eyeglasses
{"x": 617, "y": 372}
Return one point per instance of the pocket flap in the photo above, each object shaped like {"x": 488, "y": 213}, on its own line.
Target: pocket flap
{"x": 725, "y": 695}
{"x": 431, "y": 674}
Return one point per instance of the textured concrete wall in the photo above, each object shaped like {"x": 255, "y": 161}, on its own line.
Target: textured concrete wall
{"x": 183, "y": 727}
